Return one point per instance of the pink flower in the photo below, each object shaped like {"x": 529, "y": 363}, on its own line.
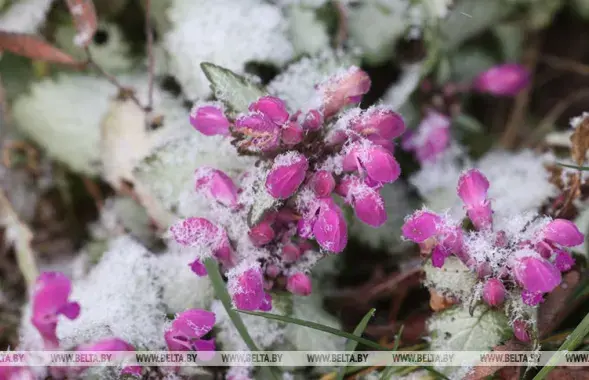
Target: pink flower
{"x": 217, "y": 184}
{"x": 563, "y": 260}
{"x": 16, "y": 373}
{"x": 272, "y": 107}
{"x": 343, "y": 89}
{"x": 187, "y": 330}
{"x": 115, "y": 345}
{"x": 421, "y": 226}
{"x": 292, "y": 133}
{"x": 536, "y": 274}
{"x": 259, "y": 131}
{"x": 50, "y": 299}
{"x": 532, "y": 298}
{"x": 431, "y": 139}
{"x": 520, "y": 330}
{"x": 472, "y": 189}
{"x": 380, "y": 126}
{"x": 377, "y": 162}
{"x": 322, "y": 183}
{"x": 503, "y": 80}
{"x": 299, "y": 284}
{"x": 209, "y": 120}
{"x": 313, "y": 120}
{"x": 247, "y": 289}
{"x": 199, "y": 232}
{"x": 563, "y": 232}
{"x": 494, "y": 292}
{"x": 330, "y": 228}
{"x": 286, "y": 175}
{"x": 262, "y": 233}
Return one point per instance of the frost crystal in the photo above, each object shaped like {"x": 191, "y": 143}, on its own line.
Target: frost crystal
{"x": 229, "y": 33}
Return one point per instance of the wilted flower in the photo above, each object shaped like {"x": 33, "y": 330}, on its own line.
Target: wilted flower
{"x": 344, "y": 89}
{"x": 50, "y": 300}
{"x": 187, "y": 330}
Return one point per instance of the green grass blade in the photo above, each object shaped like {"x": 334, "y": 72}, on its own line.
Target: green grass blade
{"x": 582, "y": 168}
{"x": 317, "y": 326}
{"x": 388, "y": 371}
{"x": 570, "y": 344}
{"x": 221, "y": 293}
{"x": 352, "y": 344}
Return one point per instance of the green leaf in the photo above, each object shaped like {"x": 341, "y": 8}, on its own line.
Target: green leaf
{"x": 456, "y": 329}
{"x": 388, "y": 371}
{"x": 468, "y": 123}
{"x": 317, "y": 326}
{"x": 571, "y": 343}
{"x": 236, "y": 91}
{"x": 225, "y": 298}
{"x": 352, "y": 344}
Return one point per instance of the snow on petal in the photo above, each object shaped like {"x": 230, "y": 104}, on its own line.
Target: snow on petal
{"x": 286, "y": 175}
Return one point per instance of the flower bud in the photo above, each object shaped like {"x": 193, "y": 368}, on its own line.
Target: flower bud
{"x": 330, "y": 229}
{"x": 291, "y": 253}
{"x": 502, "y": 80}
{"x": 494, "y": 292}
{"x": 322, "y": 183}
{"x": 198, "y": 268}
{"x": 292, "y": 133}
{"x": 380, "y": 126}
{"x": 218, "y": 185}
{"x": 262, "y": 234}
{"x": 378, "y": 163}
{"x": 299, "y": 284}
{"x": 431, "y": 139}
{"x": 286, "y": 175}
{"x": 368, "y": 204}
{"x": 247, "y": 288}
{"x": 259, "y": 131}
{"x": 520, "y": 330}
{"x": 272, "y": 107}
{"x": 343, "y": 89}
{"x": 209, "y": 120}
{"x": 313, "y": 120}
{"x": 563, "y": 232}
{"x": 272, "y": 271}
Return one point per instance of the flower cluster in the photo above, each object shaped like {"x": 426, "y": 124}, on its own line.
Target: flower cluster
{"x": 304, "y": 159}
{"x": 522, "y": 255}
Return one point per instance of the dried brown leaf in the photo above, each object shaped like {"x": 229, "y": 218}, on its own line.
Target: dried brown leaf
{"x": 439, "y": 302}
{"x": 33, "y": 47}
{"x": 557, "y": 305}
{"x": 85, "y": 21}
{"x": 481, "y": 372}
{"x": 580, "y": 141}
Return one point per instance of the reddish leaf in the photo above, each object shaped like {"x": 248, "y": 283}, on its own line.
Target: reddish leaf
{"x": 481, "y": 372}
{"x": 84, "y": 15}
{"x": 33, "y": 47}
{"x": 568, "y": 373}
{"x": 558, "y": 304}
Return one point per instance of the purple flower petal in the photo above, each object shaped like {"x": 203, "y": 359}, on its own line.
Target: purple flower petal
{"x": 210, "y": 121}
{"x": 421, "y": 226}
{"x": 563, "y": 232}
{"x": 286, "y": 175}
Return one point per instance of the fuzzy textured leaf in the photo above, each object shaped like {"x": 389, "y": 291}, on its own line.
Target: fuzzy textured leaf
{"x": 456, "y": 329}
{"x": 33, "y": 47}
{"x": 84, "y": 16}
{"x": 234, "y": 90}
